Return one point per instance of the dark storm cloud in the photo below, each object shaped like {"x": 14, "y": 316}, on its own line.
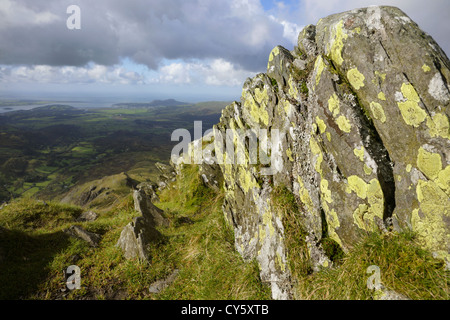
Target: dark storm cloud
{"x": 34, "y": 32}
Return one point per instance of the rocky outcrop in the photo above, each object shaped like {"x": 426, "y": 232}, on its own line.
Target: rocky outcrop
{"x": 151, "y": 213}
{"x": 93, "y": 239}
{"x": 102, "y": 193}
{"x": 87, "y": 216}
{"x": 142, "y": 231}
{"x": 160, "y": 285}
{"x": 136, "y": 237}
{"x": 361, "y": 109}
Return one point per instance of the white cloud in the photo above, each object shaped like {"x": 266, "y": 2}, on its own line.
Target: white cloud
{"x": 69, "y": 75}
{"x": 216, "y": 72}
{"x": 176, "y": 73}
{"x": 13, "y": 13}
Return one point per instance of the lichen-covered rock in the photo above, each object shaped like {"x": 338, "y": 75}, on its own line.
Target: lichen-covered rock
{"x": 399, "y": 77}
{"x": 142, "y": 231}
{"x": 357, "y": 126}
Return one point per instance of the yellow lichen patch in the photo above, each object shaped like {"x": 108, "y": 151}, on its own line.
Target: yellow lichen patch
{"x": 358, "y": 185}
{"x": 289, "y": 154}
{"x": 359, "y": 153}
{"x": 286, "y": 106}
{"x": 328, "y": 136}
{"x": 275, "y": 51}
{"x": 332, "y": 222}
{"x": 381, "y": 96}
{"x": 409, "y": 92}
{"x": 262, "y": 234}
{"x": 314, "y": 146}
{"x": 321, "y": 124}
{"x": 280, "y": 262}
{"x": 326, "y": 193}
{"x": 408, "y": 167}
{"x": 246, "y": 180}
{"x": 315, "y": 149}
{"x": 411, "y": 112}
{"x": 333, "y": 104}
{"x": 429, "y": 163}
{"x": 319, "y": 163}
{"x": 304, "y": 195}
{"x": 293, "y": 90}
{"x": 430, "y": 226}
{"x": 358, "y": 215}
{"x": 364, "y": 215}
{"x": 355, "y": 78}
{"x": 357, "y": 30}
{"x": 367, "y": 170}
{"x": 375, "y": 198}
{"x": 338, "y": 44}
{"x": 378, "y": 111}
{"x": 257, "y": 105}
{"x": 319, "y": 65}
{"x": 267, "y": 220}
{"x": 438, "y": 125}
{"x": 426, "y": 68}
{"x": 443, "y": 180}
{"x": 344, "y": 124}
{"x": 382, "y": 76}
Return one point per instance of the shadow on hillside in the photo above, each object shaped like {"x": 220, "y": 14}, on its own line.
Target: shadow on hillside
{"x": 24, "y": 261}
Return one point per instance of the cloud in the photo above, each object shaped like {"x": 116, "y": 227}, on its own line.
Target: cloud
{"x": 216, "y": 72}
{"x": 92, "y": 73}
{"x": 148, "y": 32}
{"x": 171, "y": 42}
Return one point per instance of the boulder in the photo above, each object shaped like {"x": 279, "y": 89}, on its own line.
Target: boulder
{"x": 135, "y": 238}
{"x": 87, "y": 216}
{"x": 141, "y": 232}
{"x": 159, "y": 285}
{"x": 90, "y": 237}
{"x": 151, "y": 213}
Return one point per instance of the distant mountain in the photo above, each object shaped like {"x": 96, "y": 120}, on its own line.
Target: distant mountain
{"x": 154, "y": 103}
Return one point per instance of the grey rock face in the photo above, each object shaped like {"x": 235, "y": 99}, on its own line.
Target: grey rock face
{"x": 138, "y": 234}
{"x": 152, "y": 214}
{"x": 87, "y": 216}
{"x": 135, "y": 238}
{"x": 362, "y": 107}
{"x": 92, "y": 238}
{"x": 160, "y": 285}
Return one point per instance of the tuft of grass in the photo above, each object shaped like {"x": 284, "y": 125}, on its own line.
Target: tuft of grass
{"x": 404, "y": 266}
{"x": 285, "y": 204}
{"x": 203, "y": 251}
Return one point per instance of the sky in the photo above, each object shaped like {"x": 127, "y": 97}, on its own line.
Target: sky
{"x": 141, "y": 50}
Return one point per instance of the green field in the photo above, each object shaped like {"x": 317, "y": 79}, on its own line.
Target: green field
{"x": 47, "y": 150}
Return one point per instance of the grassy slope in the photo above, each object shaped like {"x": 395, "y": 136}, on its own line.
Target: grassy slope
{"x": 37, "y": 251}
